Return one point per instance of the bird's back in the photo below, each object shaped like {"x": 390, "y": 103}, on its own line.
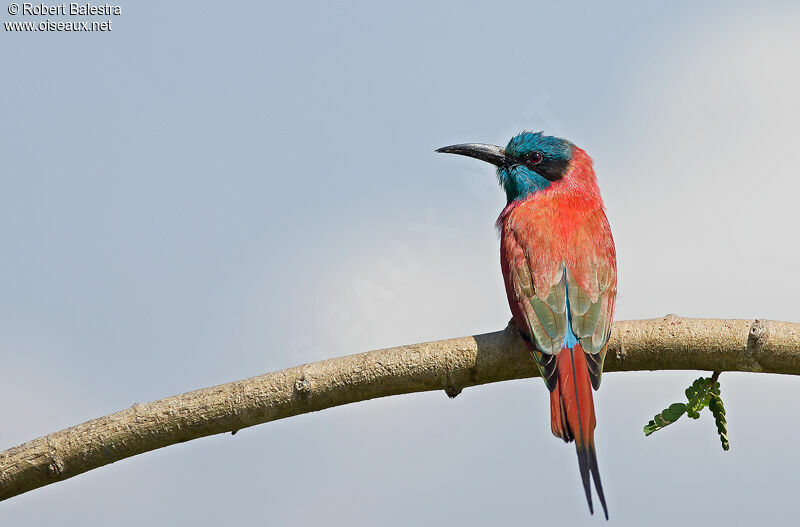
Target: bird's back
{"x": 562, "y": 230}
{"x": 559, "y": 268}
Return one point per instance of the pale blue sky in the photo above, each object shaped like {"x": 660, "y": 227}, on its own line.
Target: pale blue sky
{"x": 215, "y": 190}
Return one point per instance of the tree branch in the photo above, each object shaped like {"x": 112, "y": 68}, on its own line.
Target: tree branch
{"x": 669, "y": 343}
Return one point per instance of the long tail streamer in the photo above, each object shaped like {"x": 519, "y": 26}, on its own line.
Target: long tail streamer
{"x": 572, "y": 417}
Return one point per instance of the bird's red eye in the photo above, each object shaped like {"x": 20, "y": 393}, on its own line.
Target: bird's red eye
{"x": 534, "y": 158}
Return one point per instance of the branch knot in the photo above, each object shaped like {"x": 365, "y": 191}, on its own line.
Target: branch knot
{"x": 302, "y": 387}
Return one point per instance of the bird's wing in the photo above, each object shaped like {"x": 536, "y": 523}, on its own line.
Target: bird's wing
{"x": 545, "y": 292}
{"x": 591, "y": 279}
{"x": 536, "y": 288}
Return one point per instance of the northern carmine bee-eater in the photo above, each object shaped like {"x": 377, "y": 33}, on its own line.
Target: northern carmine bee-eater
{"x": 560, "y": 271}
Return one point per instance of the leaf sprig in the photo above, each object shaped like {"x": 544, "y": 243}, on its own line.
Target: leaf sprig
{"x": 703, "y": 393}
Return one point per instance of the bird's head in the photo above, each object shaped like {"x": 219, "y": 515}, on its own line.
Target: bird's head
{"x": 529, "y": 163}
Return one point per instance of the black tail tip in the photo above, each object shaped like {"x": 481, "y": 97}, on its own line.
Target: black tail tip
{"x": 587, "y": 462}
{"x": 602, "y": 502}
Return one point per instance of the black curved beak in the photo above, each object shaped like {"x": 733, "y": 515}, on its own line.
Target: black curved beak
{"x": 489, "y": 153}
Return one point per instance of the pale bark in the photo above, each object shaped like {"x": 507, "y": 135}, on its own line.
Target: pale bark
{"x": 669, "y": 343}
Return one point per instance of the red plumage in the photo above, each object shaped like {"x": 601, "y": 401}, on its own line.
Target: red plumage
{"x": 571, "y": 399}
{"x": 559, "y": 266}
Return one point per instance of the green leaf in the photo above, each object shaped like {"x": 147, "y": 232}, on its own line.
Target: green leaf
{"x": 718, "y": 411}
{"x": 703, "y": 393}
{"x": 666, "y": 417}
{"x": 699, "y": 395}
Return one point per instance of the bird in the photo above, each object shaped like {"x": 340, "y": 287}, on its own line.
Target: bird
{"x": 559, "y": 267}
